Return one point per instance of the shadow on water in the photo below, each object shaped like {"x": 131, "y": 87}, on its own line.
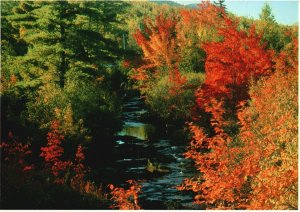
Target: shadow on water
{"x": 153, "y": 155}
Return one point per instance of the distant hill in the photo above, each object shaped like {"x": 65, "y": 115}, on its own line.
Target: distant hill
{"x": 193, "y": 6}
{"x": 171, "y": 3}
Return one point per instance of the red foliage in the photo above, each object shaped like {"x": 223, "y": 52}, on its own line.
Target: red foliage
{"x": 232, "y": 63}
{"x": 13, "y": 153}
{"x": 199, "y": 25}
{"x": 275, "y": 134}
{"x": 177, "y": 81}
{"x": 143, "y": 73}
{"x": 79, "y": 169}
{"x": 257, "y": 167}
{"x": 126, "y": 199}
{"x": 52, "y": 153}
{"x": 79, "y": 157}
{"x": 15, "y": 168}
{"x": 163, "y": 41}
{"x": 206, "y": 15}
{"x": 126, "y": 64}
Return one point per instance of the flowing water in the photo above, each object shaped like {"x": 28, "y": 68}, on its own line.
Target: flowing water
{"x": 153, "y": 155}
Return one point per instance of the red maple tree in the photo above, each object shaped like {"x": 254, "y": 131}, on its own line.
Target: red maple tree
{"x": 232, "y": 63}
{"x": 77, "y": 181}
{"x": 256, "y": 168}
{"x": 13, "y": 154}
{"x": 53, "y": 152}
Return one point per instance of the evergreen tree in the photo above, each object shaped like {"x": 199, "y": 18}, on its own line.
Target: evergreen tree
{"x": 65, "y": 35}
{"x": 221, "y": 5}
{"x": 266, "y": 14}
{"x": 275, "y": 35}
{"x": 66, "y": 66}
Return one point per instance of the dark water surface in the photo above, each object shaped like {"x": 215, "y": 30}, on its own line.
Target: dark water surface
{"x": 152, "y": 154}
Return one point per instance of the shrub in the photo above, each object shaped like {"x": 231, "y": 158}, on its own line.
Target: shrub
{"x": 173, "y": 102}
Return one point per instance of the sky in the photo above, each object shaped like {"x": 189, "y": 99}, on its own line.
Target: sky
{"x": 284, "y": 11}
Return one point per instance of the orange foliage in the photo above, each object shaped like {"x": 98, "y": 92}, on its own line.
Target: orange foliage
{"x": 78, "y": 181}
{"x": 231, "y": 64}
{"x": 224, "y": 179}
{"x": 53, "y": 153}
{"x": 201, "y": 22}
{"x": 288, "y": 58}
{"x": 158, "y": 44}
{"x": 257, "y": 167}
{"x": 206, "y": 13}
{"x": 275, "y": 134}
{"x": 167, "y": 40}
{"x": 126, "y": 199}
{"x": 143, "y": 73}
{"x": 79, "y": 157}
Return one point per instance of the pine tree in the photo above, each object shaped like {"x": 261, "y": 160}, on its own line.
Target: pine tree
{"x": 266, "y": 13}
{"x": 222, "y": 6}
{"x": 276, "y": 36}
{"x": 64, "y": 70}
{"x": 64, "y": 35}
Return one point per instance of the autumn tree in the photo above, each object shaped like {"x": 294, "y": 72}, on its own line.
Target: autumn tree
{"x": 169, "y": 45}
{"x": 275, "y": 134}
{"x": 174, "y": 43}
{"x": 197, "y": 26}
{"x": 274, "y": 34}
{"x": 224, "y": 182}
{"x": 17, "y": 168}
{"x": 78, "y": 181}
{"x": 134, "y": 17}
{"x": 255, "y": 167}
{"x": 14, "y": 154}
{"x": 232, "y": 63}
{"x": 126, "y": 199}
{"x": 202, "y": 22}
{"x": 53, "y": 152}
{"x": 158, "y": 43}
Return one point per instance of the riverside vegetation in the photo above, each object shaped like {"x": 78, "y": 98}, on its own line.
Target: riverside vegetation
{"x": 147, "y": 105}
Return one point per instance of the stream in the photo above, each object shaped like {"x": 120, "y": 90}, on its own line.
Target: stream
{"x": 152, "y": 155}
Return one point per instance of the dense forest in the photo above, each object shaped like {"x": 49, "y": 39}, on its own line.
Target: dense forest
{"x": 147, "y": 105}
